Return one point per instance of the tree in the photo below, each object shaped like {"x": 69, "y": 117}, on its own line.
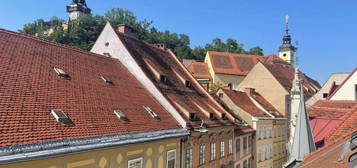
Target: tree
{"x": 256, "y": 51}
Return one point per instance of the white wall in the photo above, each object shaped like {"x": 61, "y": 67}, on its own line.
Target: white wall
{"x": 348, "y": 90}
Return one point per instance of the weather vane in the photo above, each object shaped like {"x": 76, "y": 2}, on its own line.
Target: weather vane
{"x": 287, "y": 19}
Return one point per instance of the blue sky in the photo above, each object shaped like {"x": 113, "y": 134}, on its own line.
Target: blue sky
{"x": 325, "y": 29}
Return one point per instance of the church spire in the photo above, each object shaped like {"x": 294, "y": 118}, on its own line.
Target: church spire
{"x": 287, "y": 50}
{"x": 303, "y": 142}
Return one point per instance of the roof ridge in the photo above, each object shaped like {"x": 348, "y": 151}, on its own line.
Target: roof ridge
{"x": 31, "y": 37}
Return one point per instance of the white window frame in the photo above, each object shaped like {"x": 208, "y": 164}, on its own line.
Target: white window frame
{"x": 230, "y": 146}
{"x": 222, "y": 146}
{"x": 167, "y": 157}
{"x": 135, "y": 160}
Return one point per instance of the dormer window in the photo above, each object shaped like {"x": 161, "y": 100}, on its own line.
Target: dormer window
{"x": 163, "y": 78}
{"x": 60, "y": 116}
{"x": 188, "y": 83}
{"x": 107, "y": 54}
{"x": 106, "y": 79}
{"x": 151, "y": 112}
{"x": 224, "y": 116}
{"x": 61, "y": 72}
{"x": 212, "y": 117}
{"x": 120, "y": 115}
{"x": 193, "y": 117}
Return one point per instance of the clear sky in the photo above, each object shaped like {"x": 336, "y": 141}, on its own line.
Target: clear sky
{"x": 326, "y": 30}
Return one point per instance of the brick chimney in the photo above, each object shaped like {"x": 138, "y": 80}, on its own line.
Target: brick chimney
{"x": 249, "y": 91}
{"x": 127, "y": 30}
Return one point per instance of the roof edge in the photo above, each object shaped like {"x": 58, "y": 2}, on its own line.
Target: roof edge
{"x": 13, "y": 154}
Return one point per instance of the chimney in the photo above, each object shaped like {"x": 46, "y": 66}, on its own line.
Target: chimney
{"x": 127, "y": 30}
{"x": 249, "y": 91}
{"x": 161, "y": 46}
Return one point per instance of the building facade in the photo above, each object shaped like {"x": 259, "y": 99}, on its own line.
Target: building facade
{"x": 271, "y": 128}
{"x": 347, "y": 90}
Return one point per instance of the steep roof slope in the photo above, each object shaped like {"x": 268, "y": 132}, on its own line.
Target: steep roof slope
{"x": 285, "y": 75}
{"x": 175, "y": 82}
{"x": 234, "y": 64}
{"x": 199, "y": 70}
{"x": 336, "y": 78}
{"x": 351, "y": 76}
{"x": 30, "y": 88}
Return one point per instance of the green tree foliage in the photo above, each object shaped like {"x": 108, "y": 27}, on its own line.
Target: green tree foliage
{"x": 83, "y": 33}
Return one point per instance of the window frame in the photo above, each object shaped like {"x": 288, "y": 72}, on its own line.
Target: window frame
{"x": 191, "y": 158}
{"x": 212, "y": 152}
{"x": 135, "y": 160}
{"x": 167, "y": 158}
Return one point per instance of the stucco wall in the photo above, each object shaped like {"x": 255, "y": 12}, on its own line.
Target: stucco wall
{"x": 154, "y": 156}
{"x": 266, "y": 84}
{"x": 348, "y": 90}
{"x": 225, "y": 79}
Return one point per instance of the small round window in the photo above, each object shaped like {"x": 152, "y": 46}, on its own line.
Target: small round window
{"x": 106, "y": 44}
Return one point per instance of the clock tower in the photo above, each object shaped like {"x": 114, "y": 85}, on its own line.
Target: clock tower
{"x": 77, "y": 9}
{"x": 287, "y": 50}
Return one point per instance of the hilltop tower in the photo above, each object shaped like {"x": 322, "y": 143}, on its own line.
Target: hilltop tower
{"x": 287, "y": 50}
{"x": 77, "y": 9}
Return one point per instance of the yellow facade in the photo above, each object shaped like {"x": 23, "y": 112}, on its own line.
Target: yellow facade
{"x": 219, "y": 79}
{"x": 287, "y": 56}
{"x": 153, "y": 155}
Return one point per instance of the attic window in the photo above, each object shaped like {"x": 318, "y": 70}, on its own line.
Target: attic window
{"x": 325, "y": 95}
{"x": 224, "y": 116}
{"x": 106, "y": 44}
{"x": 106, "y": 79}
{"x": 60, "y": 116}
{"x": 163, "y": 78}
{"x": 212, "y": 117}
{"x": 193, "y": 117}
{"x": 188, "y": 83}
{"x": 220, "y": 95}
{"x": 61, "y": 72}
{"x": 120, "y": 115}
{"x": 151, "y": 112}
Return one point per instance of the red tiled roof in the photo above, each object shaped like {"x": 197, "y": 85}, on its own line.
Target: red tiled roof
{"x": 285, "y": 75}
{"x": 242, "y": 100}
{"x": 321, "y": 127}
{"x": 29, "y": 89}
{"x": 341, "y": 85}
{"x": 234, "y": 64}
{"x": 199, "y": 70}
{"x": 174, "y": 88}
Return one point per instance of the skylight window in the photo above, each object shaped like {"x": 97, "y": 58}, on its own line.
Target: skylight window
{"x": 60, "y": 116}
{"x": 120, "y": 115}
{"x": 60, "y": 72}
{"x": 106, "y": 79}
{"x": 151, "y": 112}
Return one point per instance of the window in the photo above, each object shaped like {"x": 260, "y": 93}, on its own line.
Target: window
{"x": 245, "y": 145}
{"x": 135, "y": 163}
{"x": 151, "y": 112}
{"x": 238, "y": 166}
{"x": 212, "y": 117}
{"x": 202, "y": 154}
{"x": 230, "y": 146}
{"x": 120, "y": 115}
{"x": 106, "y": 44}
{"x": 213, "y": 151}
{"x": 222, "y": 148}
{"x": 250, "y": 143}
{"x": 325, "y": 95}
{"x": 60, "y": 116}
{"x": 188, "y": 83}
{"x": 171, "y": 159}
{"x": 107, "y": 54}
{"x": 163, "y": 78}
{"x": 60, "y": 72}
{"x": 189, "y": 158}
{"x": 250, "y": 163}
{"x": 193, "y": 117}
{"x": 220, "y": 95}
{"x": 238, "y": 147}
{"x": 106, "y": 79}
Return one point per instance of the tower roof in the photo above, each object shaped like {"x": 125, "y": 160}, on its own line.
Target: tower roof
{"x": 303, "y": 142}
{"x": 286, "y": 46}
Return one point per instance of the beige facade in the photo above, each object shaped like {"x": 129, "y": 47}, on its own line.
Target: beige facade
{"x": 219, "y": 79}
{"x": 268, "y": 87}
{"x": 348, "y": 89}
{"x": 150, "y": 155}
